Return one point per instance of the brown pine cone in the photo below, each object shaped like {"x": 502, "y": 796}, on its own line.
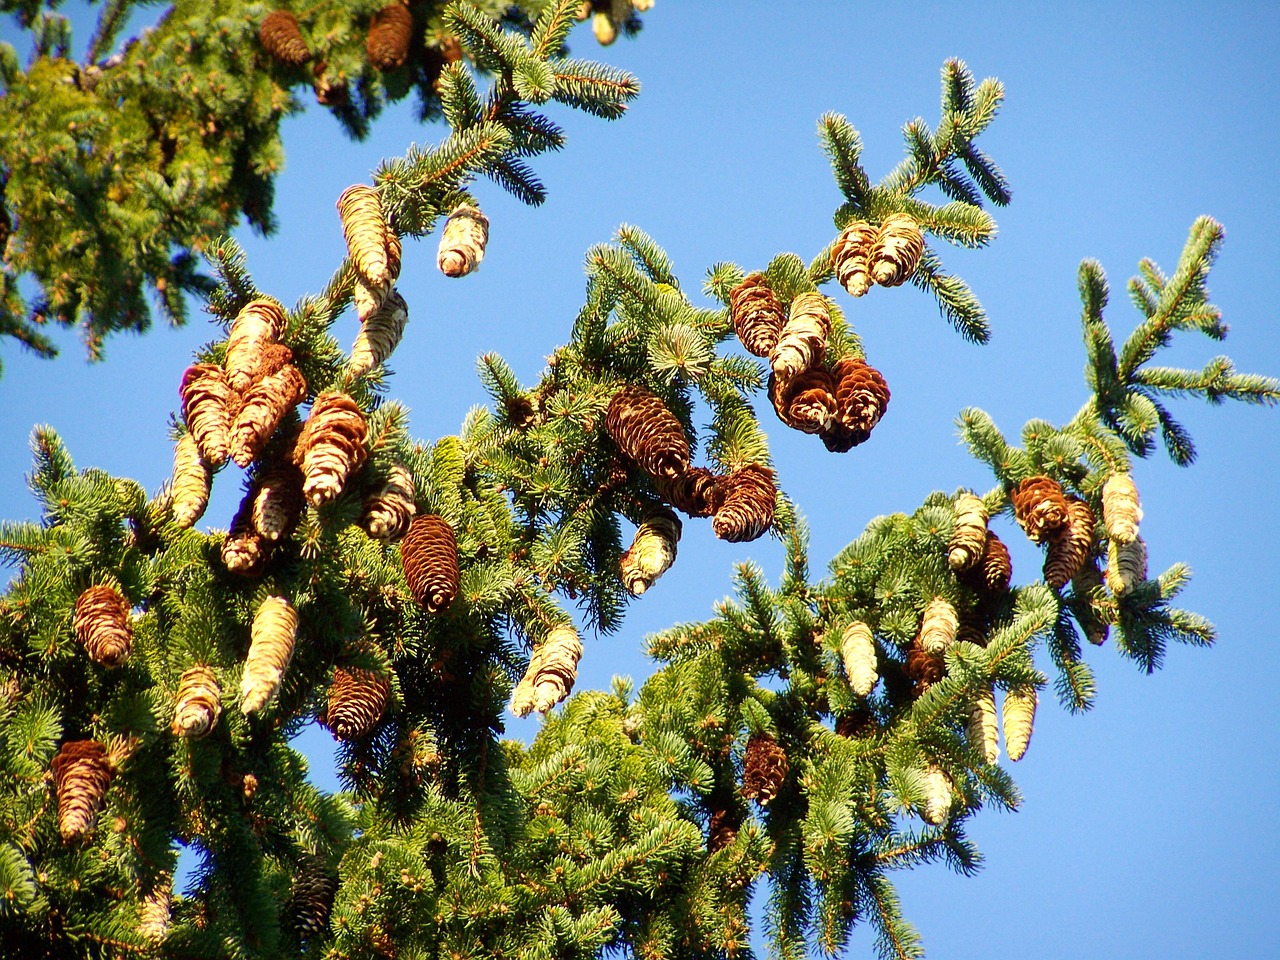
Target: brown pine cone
{"x": 1087, "y": 586}
{"x": 851, "y": 257}
{"x": 379, "y": 334}
{"x": 995, "y": 570}
{"x": 82, "y": 771}
{"x": 697, "y": 491}
{"x": 101, "y": 624}
{"x": 274, "y": 632}
{"x": 199, "y": 703}
{"x": 277, "y": 501}
{"x": 859, "y": 721}
{"x": 756, "y": 315}
{"x": 388, "y": 511}
{"x": 722, "y": 829}
{"x": 331, "y": 446}
{"x": 389, "y": 36}
{"x": 923, "y": 667}
{"x": 207, "y": 400}
{"x": 429, "y": 556}
{"x": 280, "y": 37}
{"x": 462, "y": 241}
{"x": 803, "y": 341}
{"x": 862, "y": 396}
{"x": 897, "y": 250}
{"x": 553, "y": 668}
{"x": 245, "y": 551}
{"x": 356, "y": 701}
{"x": 749, "y": 499}
{"x": 647, "y": 432}
{"x": 265, "y": 406}
{"x": 1070, "y": 546}
{"x": 311, "y": 901}
{"x": 764, "y": 768}
{"x": 259, "y": 324}
{"x": 806, "y": 402}
{"x": 1039, "y": 507}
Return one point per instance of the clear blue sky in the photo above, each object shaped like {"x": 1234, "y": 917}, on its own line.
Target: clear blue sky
{"x": 1149, "y": 824}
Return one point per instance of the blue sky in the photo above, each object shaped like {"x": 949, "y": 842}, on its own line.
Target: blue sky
{"x": 1148, "y": 828}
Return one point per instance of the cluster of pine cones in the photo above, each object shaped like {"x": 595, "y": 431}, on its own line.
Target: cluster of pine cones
{"x": 610, "y": 16}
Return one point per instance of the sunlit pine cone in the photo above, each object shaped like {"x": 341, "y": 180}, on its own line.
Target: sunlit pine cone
{"x": 1126, "y": 565}
{"x": 280, "y": 37}
{"x": 803, "y": 342}
{"x": 938, "y": 795}
{"x": 969, "y": 535}
{"x": 266, "y": 404}
{"x": 697, "y": 491}
{"x": 652, "y": 551}
{"x": 1087, "y": 586}
{"x": 756, "y": 314}
{"x": 373, "y": 246}
{"x": 153, "y": 913}
{"x": 245, "y": 551}
{"x": 1121, "y": 511}
{"x": 897, "y": 250}
{"x": 199, "y": 703}
{"x": 260, "y": 323}
{"x": 275, "y": 630}
{"x": 389, "y": 510}
{"x": 995, "y": 570}
{"x": 189, "y": 493}
{"x": 553, "y": 668}
{"x": 207, "y": 402}
{"x": 82, "y": 771}
{"x": 1070, "y": 546}
{"x": 277, "y": 501}
{"x": 429, "y": 556}
{"x": 647, "y": 432}
{"x": 858, "y": 650}
{"x": 356, "y": 701}
{"x": 764, "y": 768}
{"x": 462, "y": 241}
{"x": 851, "y": 257}
{"x": 1019, "y": 715}
{"x": 379, "y": 334}
{"x": 604, "y": 28}
{"x": 983, "y": 730}
{"x": 331, "y": 446}
{"x": 747, "y": 509}
{"x": 862, "y": 396}
{"x": 924, "y": 668}
{"x": 938, "y": 626}
{"x": 101, "y": 624}
{"x": 311, "y": 901}
{"x": 806, "y": 402}
{"x": 389, "y": 35}
{"x": 1039, "y": 506}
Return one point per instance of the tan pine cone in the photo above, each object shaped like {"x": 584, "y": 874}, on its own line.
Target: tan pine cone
{"x": 924, "y": 668}
{"x": 697, "y": 491}
{"x": 764, "y": 768}
{"x": 259, "y": 324}
{"x": 851, "y": 257}
{"x": 938, "y": 795}
{"x": 207, "y": 401}
{"x": 1019, "y": 720}
{"x": 806, "y": 402}
{"x": 897, "y": 250}
{"x": 858, "y": 650}
{"x": 749, "y": 500}
{"x": 1121, "y": 511}
{"x": 357, "y": 699}
{"x": 369, "y": 236}
{"x": 429, "y": 556}
{"x": 604, "y": 28}
{"x": 389, "y": 35}
{"x": 192, "y": 476}
{"x": 389, "y": 510}
{"x": 265, "y": 405}
{"x": 280, "y": 37}
{"x": 1070, "y": 546}
{"x": 153, "y": 914}
{"x": 862, "y": 396}
{"x": 277, "y": 501}
{"x": 1087, "y": 586}
{"x": 1126, "y": 565}
{"x": 275, "y": 629}
{"x": 983, "y": 731}
{"x": 379, "y": 334}
{"x": 462, "y": 241}
{"x": 330, "y": 447}
{"x": 1039, "y": 506}
{"x": 802, "y": 345}
{"x": 969, "y": 536}
{"x": 938, "y": 626}
{"x": 652, "y": 551}
{"x": 756, "y": 314}
{"x": 552, "y": 670}
{"x": 647, "y": 432}
{"x": 199, "y": 703}
{"x": 101, "y": 624}
{"x": 245, "y": 551}
{"x": 82, "y": 771}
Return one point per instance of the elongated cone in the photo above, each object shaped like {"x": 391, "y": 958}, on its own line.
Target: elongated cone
{"x": 697, "y": 491}
{"x": 858, "y": 650}
{"x": 277, "y": 501}
{"x": 356, "y": 701}
{"x": 647, "y": 432}
{"x": 897, "y": 250}
{"x": 82, "y": 771}
{"x": 806, "y": 402}
{"x": 851, "y": 257}
{"x": 749, "y": 500}
{"x": 1039, "y": 506}
{"x": 379, "y": 335}
{"x": 365, "y": 227}
{"x": 652, "y": 552}
{"x": 389, "y": 510}
{"x": 1120, "y": 508}
{"x": 389, "y": 36}
{"x": 605, "y": 30}
{"x": 764, "y": 768}
{"x": 280, "y": 37}
{"x": 462, "y": 241}
{"x": 756, "y": 314}
{"x": 996, "y": 566}
{"x": 938, "y": 626}
{"x": 1070, "y": 546}
{"x": 803, "y": 342}
{"x": 199, "y": 703}
{"x": 552, "y": 670}
{"x": 206, "y": 407}
{"x": 1087, "y": 586}
{"x": 722, "y": 828}
{"x": 937, "y": 794}
{"x": 275, "y": 629}
{"x": 265, "y": 405}
{"x": 983, "y": 731}
{"x": 969, "y": 536}
{"x": 153, "y": 914}
{"x": 1019, "y": 713}
{"x": 311, "y": 901}
{"x": 862, "y": 396}
{"x": 429, "y": 556}
{"x": 101, "y": 624}
{"x": 259, "y": 323}
{"x": 191, "y": 479}
{"x": 245, "y": 551}
{"x": 1126, "y": 565}
{"x": 924, "y": 668}
{"x": 331, "y": 446}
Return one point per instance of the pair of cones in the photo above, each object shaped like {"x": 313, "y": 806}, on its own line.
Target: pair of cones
{"x": 1018, "y": 717}
{"x": 387, "y": 46}
{"x": 864, "y": 254}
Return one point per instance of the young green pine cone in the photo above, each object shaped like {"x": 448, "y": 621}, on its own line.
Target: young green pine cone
{"x": 1019, "y": 720}
{"x": 207, "y": 400}
{"x": 389, "y": 510}
{"x": 897, "y": 250}
{"x": 652, "y": 552}
{"x": 1039, "y": 507}
{"x": 1126, "y": 565}
{"x": 806, "y": 402}
{"x": 429, "y": 556}
{"x": 1120, "y": 510}
{"x": 756, "y": 314}
{"x": 552, "y": 670}
{"x": 924, "y": 668}
{"x": 938, "y": 626}
{"x": 647, "y": 432}
{"x": 983, "y": 731}
{"x": 379, "y": 334}
{"x": 330, "y": 447}
{"x": 697, "y": 491}
{"x": 969, "y": 536}
{"x": 747, "y": 509}
{"x": 277, "y": 501}
{"x": 1087, "y": 586}
{"x": 389, "y": 36}
{"x": 245, "y": 551}
{"x": 82, "y": 771}
{"x": 101, "y": 624}
{"x": 259, "y": 324}
{"x": 764, "y": 768}
{"x": 280, "y": 37}
{"x": 1070, "y": 546}
{"x": 803, "y": 341}
{"x": 356, "y": 701}
{"x": 862, "y": 396}
{"x": 275, "y": 628}
{"x": 265, "y": 405}
{"x": 191, "y": 478}
{"x": 937, "y": 793}
{"x": 462, "y": 241}
{"x": 858, "y": 650}
{"x": 199, "y": 703}
{"x": 851, "y": 257}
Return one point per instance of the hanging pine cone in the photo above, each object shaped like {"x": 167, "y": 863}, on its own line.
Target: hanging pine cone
{"x": 389, "y": 35}
{"x": 275, "y": 628}
{"x": 552, "y": 670}
{"x": 429, "y": 556}
{"x": 245, "y": 551}
{"x": 1039, "y": 507}
{"x": 647, "y": 432}
{"x": 462, "y": 241}
{"x": 1087, "y": 586}
{"x": 722, "y": 828}
{"x": 1120, "y": 508}
{"x": 803, "y": 342}
{"x": 153, "y": 914}
{"x": 856, "y": 722}
{"x": 862, "y": 396}
{"x": 851, "y": 257}
{"x": 101, "y": 624}
{"x": 82, "y": 771}
{"x": 858, "y": 650}
{"x": 277, "y": 501}
{"x": 260, "y": 323}
{"x": 379, "y": 334}
{"x": 749, "y": 500}
{"x": 199, "y": 703}
{"x": 311, "y": 901}
{"x": 969, "y": 535}
{"x": 330, "y": 447}
{"x": 604, "y": 28}
{"x": 983, "y": 732}
{"x": 1126, "y": 565}
{"x": 373, "y": 245}
{"x": 388, "y": 511}
{"x": 697, "y": 491}
{"x": 652, "y": 551}
{"x": 806, "y": 402}
{"x": 1019, "y": 720}
{"x": 897, "y": 250}
{"x": 924, "y": 668}
{"x": 356, "y": 701}
{"x": 280, "y": 37}
{"x": 192, "y": 476}
{"x": 329, "y": 92}
{"x": 265, "y": 405}
{"x": 1070, "y": 545}
{"x": 207, "y": 401}
{"x": 756, "y": 314}
{"x": 764, "y": 768}
{"x": 937, "y": 794}
{"x": 995, "y": 569}
{"x": 938, "y": 626}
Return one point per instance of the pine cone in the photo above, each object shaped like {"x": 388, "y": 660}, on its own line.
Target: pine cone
{"x": 373, "y": 246}
{"x": 747, "y": 509}
{"x": 259, "y": 324}
{"x": 938, "y": 798}
{"x": 722, "y": 829}
{"x": 858, "y": 650}
{"x": 1120, "y": 508}
{"x": 1087, "y": 586}
{"x": 652, "y": 551}
{"x": 82, "y": 771}
{"x": 462, "y": 241}
{"x": 806, "y": 402}
{"x": 552, "y": 670}
{"x": 207, "y": 400}
{"x": 280, "y": 37}
{"x": 647, "y": 432}
{"x": 697, "y": 491}
{"x": 897, "y": 250}
{"x": 101, "y": 624}
{"x": 982, "y": 731}
{"x": 277, "y": 501}
{"x": 275, "y": 628}
{"x": 1070, "y": 546}
{"x": 1039, "y": 507}
{"x": 245, "y": 551}
{"x": 969, "y": 535}
{"x": 265, "y": 405}
{"x": 851, "y": 257}
{"x": 199, "y": 703}
{"x": 924, "y": 668}
{"x": 389, "y": 35}
{"x": 604, "y": 28}
{"x": 311, "y": 901}
{"x": 192, "y": 476}
{"x": 429, "y": 555}
{"x": 938, "y": 626}
{"x": 857, "y": 722}
{"x": 995, "y": 569}
{"x": 862, "y": 396}
{"x": 756, "y": 315}
{"x": 1019, "y": 720}
{"x": 356, "y": 701}
{"x": 1126, "y": 565}
{"x": 379, "y": 335}
{"x": 153, "y": 914}
{"x": 803, "y": 342}
{"x": 764, "y": 768}
{"x": 388, "y": 511}
{"x": 330, "y": 447}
